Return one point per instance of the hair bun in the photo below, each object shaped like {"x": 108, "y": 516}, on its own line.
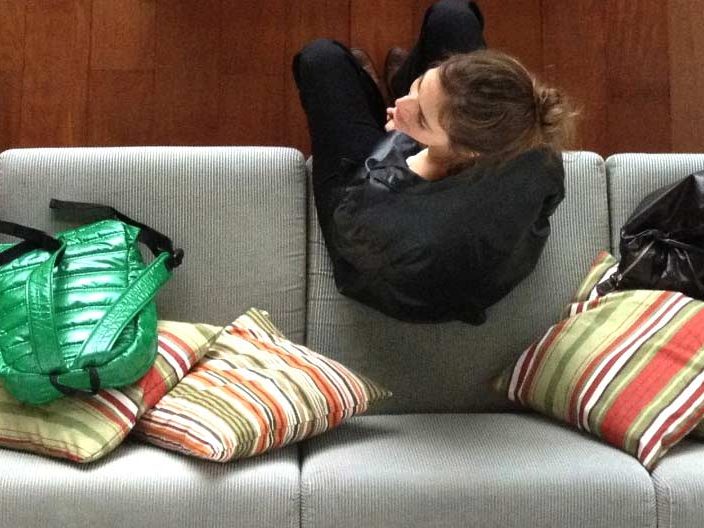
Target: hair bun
{"x": 555, "y": 116}
{"x": 548, "y": 102}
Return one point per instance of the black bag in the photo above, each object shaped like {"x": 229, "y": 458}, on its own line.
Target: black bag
{"x": 662, "y": 242}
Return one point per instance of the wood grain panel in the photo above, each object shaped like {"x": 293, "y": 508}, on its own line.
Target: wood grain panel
{"x": 252, "y": 110}
{"x": 253, "y": 73}
{"x": 515, "y": 26}
{"x": 123, "y": 34}
{"x": 12, "y": 38}
{"x": 56, "y": 73}
{"x": 638, "y": 77}
{"x": 574, "y": 59}
{"x": 253, "y": 37}
{"x": 76, "y": 72}
{"x": 186, "y": 77}
{"x": 121, "y": 108}
{"x": 121, "y": 85}
{"x": 12, "y": 30}
{"x": 10, "y": 104}
{"x": 307, "y": 20}
{"x": 686, "y": 20}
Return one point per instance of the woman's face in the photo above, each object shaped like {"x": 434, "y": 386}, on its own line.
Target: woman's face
{"x": 417, "y": 114}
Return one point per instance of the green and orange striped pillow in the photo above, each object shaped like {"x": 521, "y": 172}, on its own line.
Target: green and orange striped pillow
{"x": 86, "y": 428}
{"x": 627, "y": 367}
{"x": 255, "y": 391}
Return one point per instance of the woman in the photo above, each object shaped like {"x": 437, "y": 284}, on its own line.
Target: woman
{"x": 434, "y": 209}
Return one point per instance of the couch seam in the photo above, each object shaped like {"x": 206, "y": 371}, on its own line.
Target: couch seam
{"x": 307, "y": 231}
{"x": 304, "y": 519}
{"x": 666, "y": 485}
{"x": 609, "y": 203}
{"x": 3, "y": 159}
{"x": 300, "y": 486}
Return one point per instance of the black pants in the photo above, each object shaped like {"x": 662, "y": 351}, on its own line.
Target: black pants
{"x": 345, "y": 110}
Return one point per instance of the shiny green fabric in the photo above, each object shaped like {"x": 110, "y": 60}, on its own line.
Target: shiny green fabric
{"x": 88, "y": 306}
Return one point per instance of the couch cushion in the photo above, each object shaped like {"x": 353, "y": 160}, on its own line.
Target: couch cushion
{"x": 145, "y": 486}
{"x": 631, "y": 177}
{"x": 448, "y": 367}
{"x": 238, "y": 212}
{"x": 469, "y": 470}
{"x": 679, "y": 487}
{"x": 255, "y": 391}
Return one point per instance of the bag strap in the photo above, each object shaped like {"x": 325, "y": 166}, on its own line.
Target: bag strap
{"x": 32, "y": 239}
{"x": 153, "y": 239}
{"x": 39, "y": 290}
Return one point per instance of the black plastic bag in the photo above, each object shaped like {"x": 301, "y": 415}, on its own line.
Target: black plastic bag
{"x": 662, "y": 242}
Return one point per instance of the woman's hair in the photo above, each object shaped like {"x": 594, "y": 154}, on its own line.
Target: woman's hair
{"x": 497, "y": 109}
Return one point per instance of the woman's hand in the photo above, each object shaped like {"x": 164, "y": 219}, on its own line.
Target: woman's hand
{"x": 390, "y": 125}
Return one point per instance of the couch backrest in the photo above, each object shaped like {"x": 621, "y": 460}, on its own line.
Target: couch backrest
{"x": 238, "y": 212}
{"x": 241, "y": 212}
{"x": 449, "y": 367}
{"x": 631, "y": 177}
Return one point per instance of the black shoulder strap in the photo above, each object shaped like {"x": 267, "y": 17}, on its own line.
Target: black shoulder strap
{"x": 33, "y": 239}
{"x": 153, "y": 239}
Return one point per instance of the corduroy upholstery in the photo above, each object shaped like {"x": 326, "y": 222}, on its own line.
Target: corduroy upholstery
{"x": 239, "y": 214}
{"x": 436, "y": 470}
{"x": 245, "y": 218}
{"x": 679, "y": 478}
{"x": 140, "y": 485}
{"x": 449, "y": 367}
{"x": 631, "y": 177}
{"x": 679, "y": 486}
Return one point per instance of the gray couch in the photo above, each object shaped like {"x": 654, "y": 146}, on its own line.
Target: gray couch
{"x": 445, "y": 451}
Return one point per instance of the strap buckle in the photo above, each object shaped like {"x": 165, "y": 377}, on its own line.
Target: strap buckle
{"x": 175, "y": 259}
{"x": 71, "y": 391}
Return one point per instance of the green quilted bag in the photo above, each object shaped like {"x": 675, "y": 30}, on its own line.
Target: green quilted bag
{"x": 77, "y": 310}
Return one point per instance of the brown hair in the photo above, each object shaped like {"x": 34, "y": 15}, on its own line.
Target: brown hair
{"x": 497, "y": 109}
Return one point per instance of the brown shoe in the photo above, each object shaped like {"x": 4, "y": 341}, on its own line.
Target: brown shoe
{"x": 365, "y": 61}
{"x": 394, "y": 60}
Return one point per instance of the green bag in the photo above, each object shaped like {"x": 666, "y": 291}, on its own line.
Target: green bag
{"x": 77, "y": 310}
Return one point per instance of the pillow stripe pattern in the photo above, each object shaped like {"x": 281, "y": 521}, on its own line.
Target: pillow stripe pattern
{"x": 255, "y": 391}
{"x": 627, "y": 367}
{"x": 86, "y": 428}
{"x": 602, "y": 268}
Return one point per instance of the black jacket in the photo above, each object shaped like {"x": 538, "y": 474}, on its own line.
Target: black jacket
{"x": 423, "y": 251}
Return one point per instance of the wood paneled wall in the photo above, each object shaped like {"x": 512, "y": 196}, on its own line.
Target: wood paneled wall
{"x": 217, "y": 72}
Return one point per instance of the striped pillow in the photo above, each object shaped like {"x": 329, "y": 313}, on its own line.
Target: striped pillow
{"x": 255, "y": 391}
{"x": 86, "y": 428}
{"x": 627, "y": 367}
{"x": 602, "y": 268}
